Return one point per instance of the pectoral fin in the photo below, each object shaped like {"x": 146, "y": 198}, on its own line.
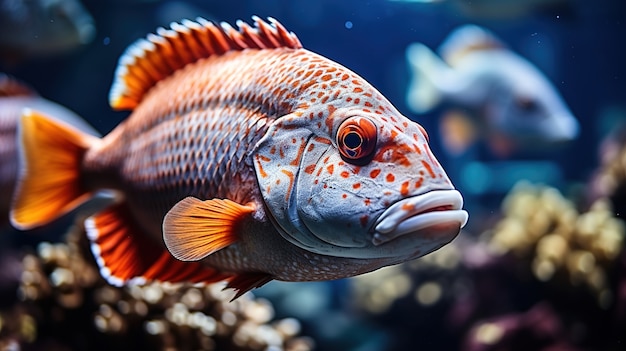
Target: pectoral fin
{"x": 193, "y": 229}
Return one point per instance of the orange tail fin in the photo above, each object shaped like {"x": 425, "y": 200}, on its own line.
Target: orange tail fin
{"x": 49, "y": 180}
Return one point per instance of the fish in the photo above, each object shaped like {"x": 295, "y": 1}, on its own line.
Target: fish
{"x": 15, "y": 96}
{"x": 507, "y": 99}
{"x": 39, "y": 28}
{"x": 246, "y": 158}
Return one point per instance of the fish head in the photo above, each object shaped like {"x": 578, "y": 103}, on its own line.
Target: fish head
{"x": 524, "y": 104}
{"x": 357, "y": 183}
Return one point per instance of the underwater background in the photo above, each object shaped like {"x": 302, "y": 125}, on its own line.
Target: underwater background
{"x": 540, "y": 265}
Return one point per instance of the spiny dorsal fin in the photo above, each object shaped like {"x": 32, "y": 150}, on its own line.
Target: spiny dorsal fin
{"x": 467, "y": 39}
{"x": 158, "y": 55}
{"x": 10, "y": 86}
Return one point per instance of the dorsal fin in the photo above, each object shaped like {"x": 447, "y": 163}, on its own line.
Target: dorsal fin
{"x": 158, "y": 55}
{"x": 10, "y": 86}
{"x": 467, "y": 39}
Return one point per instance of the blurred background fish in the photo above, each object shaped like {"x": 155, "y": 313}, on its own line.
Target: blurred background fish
{"x": 34, "y": 28}
{"x": 503, "y": 97}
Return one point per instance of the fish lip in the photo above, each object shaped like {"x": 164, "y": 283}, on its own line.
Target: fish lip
{"x": 415, "y": 213}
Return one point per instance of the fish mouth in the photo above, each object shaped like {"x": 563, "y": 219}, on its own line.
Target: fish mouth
{"x": 436, "y": 208}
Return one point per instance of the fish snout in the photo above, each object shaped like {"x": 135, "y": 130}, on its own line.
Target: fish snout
{"x": 565, "y": 128}
{"x": 436, "y": 215}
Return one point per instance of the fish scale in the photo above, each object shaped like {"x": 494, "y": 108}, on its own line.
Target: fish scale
{"x": 246, "y": 157}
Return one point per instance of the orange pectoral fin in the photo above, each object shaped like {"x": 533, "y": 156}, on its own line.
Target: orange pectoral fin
{"x": 125, "y": 253}
{"x": 193, "y": 229}
{"x": 49, "y": 182}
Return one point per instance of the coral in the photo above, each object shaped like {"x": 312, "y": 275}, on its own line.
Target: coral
{"x": 66, "y": 305}
{"x": 541, "y": 226}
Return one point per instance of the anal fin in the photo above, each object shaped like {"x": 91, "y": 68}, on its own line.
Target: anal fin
{"x": 245, "y": 282}
{"x": 126, "y": 254}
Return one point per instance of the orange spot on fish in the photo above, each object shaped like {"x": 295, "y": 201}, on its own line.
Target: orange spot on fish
{"x": 404, "y": 189}
{"x": 367, "y": 202}
{"x": 326, "y": 159}
{"x": 330, "y": 169}
{"x": 296, "y": 161}
{"x": 394, "y": 153}
{"x": 408, "y": 207}
{"x": 344, "y": 196}
{"x": 357, "y": 90}
{"x": 419, "y": 183}
{"x": 364, "y": 220}
{"x": 326, "y": 77}
{"x": 261, "y": 171}
{"x": 289, "y": 174}
{"x": 356, "y": 185}
{"x": 309, "y": 169}
{"x": 357, "y": 101}
{"x": 390, "y": 177}
{"x": 429, "y": 169}
{"x": 264, "y": 158}
{"x": 368, "y": 104}
{"x": 345, "y": 76}
{"x": 311, "y": 146}
{"x": 345, "y": 174}
{"x": 374, "y": 173}
{"x": 322, "y": 140}
{"x": 273, "y": 150}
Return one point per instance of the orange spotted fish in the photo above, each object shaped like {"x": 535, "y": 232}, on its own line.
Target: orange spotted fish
{"x": 14, "y": 97}
{"x": 246, "y": 158}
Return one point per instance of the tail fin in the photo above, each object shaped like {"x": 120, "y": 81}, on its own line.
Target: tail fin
{"x": 49, "y": 181}
{"x": 428, "y": 70}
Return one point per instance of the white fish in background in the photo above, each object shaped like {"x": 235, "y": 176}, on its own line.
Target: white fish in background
{"x": 510, "y": 99}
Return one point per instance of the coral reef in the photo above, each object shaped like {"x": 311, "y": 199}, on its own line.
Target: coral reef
{"x": 65, "y": 305}
{"x": 563, "y": 246}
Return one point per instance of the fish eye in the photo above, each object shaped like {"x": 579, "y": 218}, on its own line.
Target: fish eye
{"x": 526, "y": 103}
{"x": 356, "y": 139}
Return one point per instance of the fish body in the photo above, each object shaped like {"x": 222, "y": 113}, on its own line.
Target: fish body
{"x": 15, "y": 96}
{"x": 506, "y": 95}
{"x": 43, "y": 27}
{"x": 246, "y": 158}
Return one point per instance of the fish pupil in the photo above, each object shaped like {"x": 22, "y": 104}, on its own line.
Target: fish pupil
{"x": 352, "y": 140}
